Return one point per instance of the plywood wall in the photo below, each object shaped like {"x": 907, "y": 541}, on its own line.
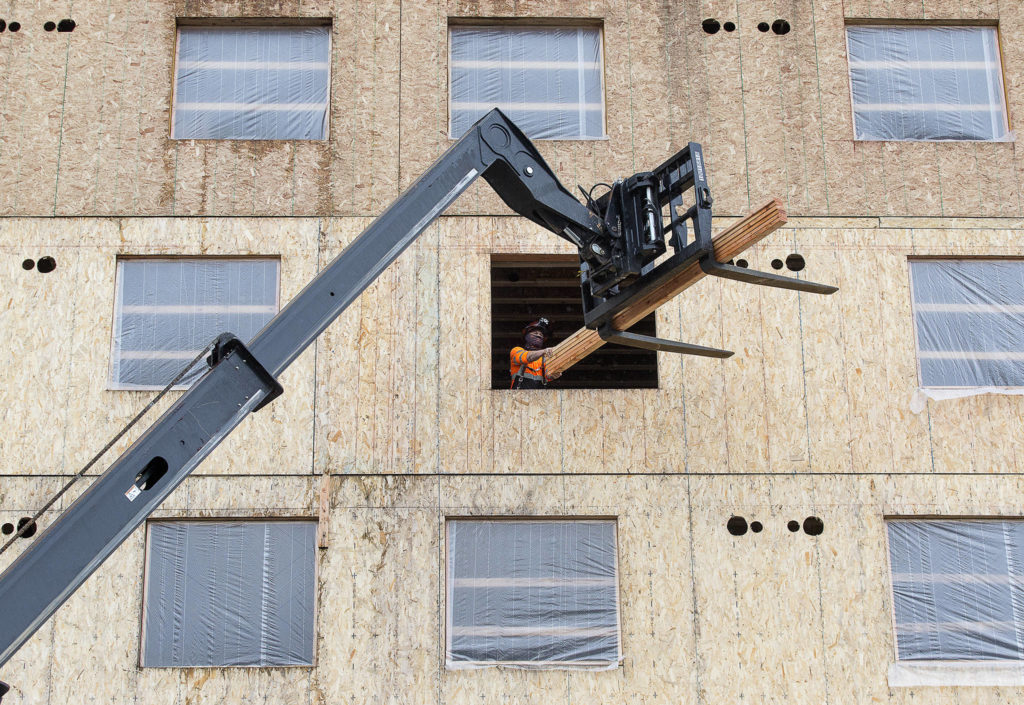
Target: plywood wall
{"x": 84, "y": 127}
{"x": 706, "y": 616}
{"x": 810, "y": 418}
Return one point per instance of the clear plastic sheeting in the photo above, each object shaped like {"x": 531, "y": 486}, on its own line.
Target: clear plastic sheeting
{"x": 548, "y": 80}
{"x": 532, "y": 594}
{"x": 958, "y": 601}
{"x": 230, "y": 594}
{"x": 947, "y": 673}
{"x": 926, "y": 83}
{"x": 252, "y": 83}
{"x": 167, "y": 310}
{"x": 969, "y": 321}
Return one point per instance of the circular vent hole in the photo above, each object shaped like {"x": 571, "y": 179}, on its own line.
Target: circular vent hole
{"x": 813, "y": 526}
{"x": 8, "y": 528}
{"x": 742, "y": 263}
{"x": 729, "y": 27}
{"x": 710, "y": 26}
{"x": 50, "y": 26}
{"x": 737, "y": 526}
{"x": 66, "y": 26}
{"x": 27, "y": 527}
{"x": 793, "y": 525}
{"x": 762, "y": 27}
{"x": 776, "y": 264}
{"x": 3, "y": 25}
{"x": 28, "y": 264}
{"x": 795, "y": 262}
{"x": 14, "y": 26}
{"x": 756, "y": 527}
{"x": 47, "y": 264}
{"x": 780, "y": 27}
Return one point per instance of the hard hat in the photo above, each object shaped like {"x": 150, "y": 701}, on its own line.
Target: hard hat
{"x": 541, "y": 324}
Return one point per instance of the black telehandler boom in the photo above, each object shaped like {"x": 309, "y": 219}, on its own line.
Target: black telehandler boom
{"x": 620, "y": 236}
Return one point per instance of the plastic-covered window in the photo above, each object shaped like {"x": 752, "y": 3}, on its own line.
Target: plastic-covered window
{"x": 969, "y": 319}
{"x": 167, "y": 310}
{"x": 251, "y": 83}
{"x": 926, "y": 83}
{"x": 958, "y": 589}
{"x": 532, "y": 593}
{"x": 549, "y": 81}
{"x": 229, "y": 593}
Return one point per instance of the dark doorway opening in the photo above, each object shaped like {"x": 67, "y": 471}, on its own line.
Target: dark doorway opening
{"x": 524, "y": 288}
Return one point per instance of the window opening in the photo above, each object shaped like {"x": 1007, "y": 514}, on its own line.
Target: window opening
{"x": 168, "y": 309}
{"x": 548, "y": 80}
{"x": 523, "y": 290}
{"x": 532, "y": 593}
{"x": 229, "y": 593}
{"x": 926, "y": 83}
{"x": 968, "y": 322}
{"x": 251, "y": 83}
{"x": 958, "y": 590}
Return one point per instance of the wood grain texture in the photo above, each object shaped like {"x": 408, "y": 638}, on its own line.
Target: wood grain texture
{"x": 727, "y": 245}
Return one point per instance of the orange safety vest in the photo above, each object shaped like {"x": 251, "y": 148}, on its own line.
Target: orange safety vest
{"x": 526, "y": 370}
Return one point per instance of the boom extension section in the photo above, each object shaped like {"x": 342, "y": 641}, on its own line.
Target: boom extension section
{"x": 619, "y": 236}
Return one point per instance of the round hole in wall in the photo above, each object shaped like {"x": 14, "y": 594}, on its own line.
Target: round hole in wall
{"x": 710, "y": 26}
{"x": 737, "y": 526}
{"x": 14, "y": 26}
{"x": 8, "y": 528}
{"x": 813, "y": 526}
{"x": 776, "y": 264}
{"x": 49, "y": 26}
{"x": 3, "y": 25}
{"x": 66, "y": 26}
{"x": 795, "y": 262}
{"x": 28, "y": 264}
{"x": 756, "y": 527}
{"x": 762, "y": 27}
{"x": 27, "y": 527}
{"x": 780, "y": 27}
{"x": 332, "y": 293}
{"x": 793, "y": 525}
{"x": 47, "y": 264}
{"x": 729, "y": 26}
{"x": 742, "y": 263}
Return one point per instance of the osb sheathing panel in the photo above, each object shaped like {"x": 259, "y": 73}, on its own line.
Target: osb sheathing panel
{"x": 37, "y": 323}
{"x": 384, "y": 348}
{"x": 86, "y": 117}
{"x": 635, "y": 93}
{"x": 817, "y": 383}
{"x": 403, "y": 383}
{"x": 779, "y": 117}
{"x": 706, "y": 616}
{"x": 33, "y": 90}
{"x": 63, "y": 411}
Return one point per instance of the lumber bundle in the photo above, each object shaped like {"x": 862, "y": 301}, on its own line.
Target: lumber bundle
{"x": 727, "y": 245}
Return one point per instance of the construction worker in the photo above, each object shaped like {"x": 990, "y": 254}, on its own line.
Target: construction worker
{"x": 528, "y": 360}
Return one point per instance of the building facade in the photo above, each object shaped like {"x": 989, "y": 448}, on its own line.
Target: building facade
{"x": 818, "y": 519}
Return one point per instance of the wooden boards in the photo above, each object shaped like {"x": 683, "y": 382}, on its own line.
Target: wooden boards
{"x": 727, "y": 244}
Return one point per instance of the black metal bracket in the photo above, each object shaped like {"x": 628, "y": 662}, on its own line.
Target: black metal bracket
{"x": 640, "y": 233}
{"x": 70, "y": 549}
{"x": 648, "y": 342}
{"x": 752, "y": 276}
